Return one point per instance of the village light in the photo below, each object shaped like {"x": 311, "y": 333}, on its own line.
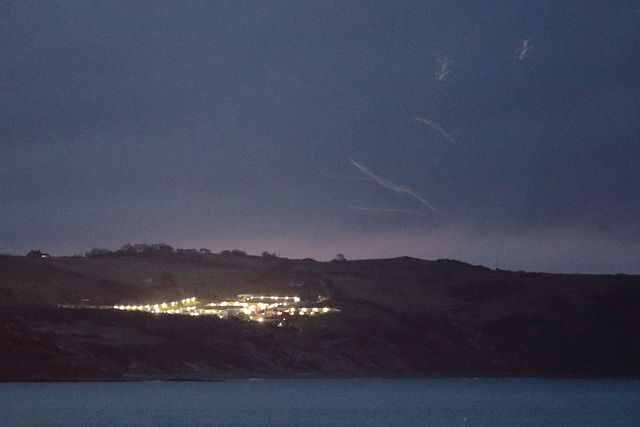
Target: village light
{"x": 267, "y": 310}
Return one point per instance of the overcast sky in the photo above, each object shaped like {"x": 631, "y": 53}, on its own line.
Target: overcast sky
{"x": 502, "y": 133}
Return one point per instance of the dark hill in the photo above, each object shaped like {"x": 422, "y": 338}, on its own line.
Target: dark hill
{"x": 399, "y": 317}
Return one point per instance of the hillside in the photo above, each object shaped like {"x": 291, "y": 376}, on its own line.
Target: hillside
{"x": 397, "y": 317}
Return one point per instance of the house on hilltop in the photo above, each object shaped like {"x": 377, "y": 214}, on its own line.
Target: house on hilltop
{"x": 37, "y": 254}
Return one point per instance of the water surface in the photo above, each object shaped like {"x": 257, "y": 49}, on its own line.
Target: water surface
{"x": 317, "y": 402}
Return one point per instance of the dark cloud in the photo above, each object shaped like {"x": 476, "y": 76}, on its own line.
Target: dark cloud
{"x": 233, "y": 125}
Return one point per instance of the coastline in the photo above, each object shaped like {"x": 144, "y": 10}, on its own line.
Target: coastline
{"x": 318, "y": 376}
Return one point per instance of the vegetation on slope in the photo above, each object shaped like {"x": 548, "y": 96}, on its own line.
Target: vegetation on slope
{"x": 398, "y": 317}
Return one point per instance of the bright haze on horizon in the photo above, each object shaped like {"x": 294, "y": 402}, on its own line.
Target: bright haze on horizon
{"x": 501, "y": 133}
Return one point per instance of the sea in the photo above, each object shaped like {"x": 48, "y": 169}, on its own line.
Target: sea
{"x": 324, "y": 402}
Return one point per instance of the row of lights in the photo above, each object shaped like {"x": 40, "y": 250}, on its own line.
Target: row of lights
{"x": 276, "y": 298}
{"x": 248, "y": 309}
{"x": 157, "y": 308}
{"x": 302, "y": 311}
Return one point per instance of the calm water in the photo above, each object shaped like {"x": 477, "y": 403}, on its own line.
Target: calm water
{"x": 379, "y": 402}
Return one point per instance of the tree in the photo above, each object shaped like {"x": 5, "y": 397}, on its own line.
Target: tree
{"x": 97, "y": 252}
{"x": 340, "y": 257}
{"x": 162, "y": 247}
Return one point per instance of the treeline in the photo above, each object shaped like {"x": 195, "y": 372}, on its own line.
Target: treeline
{"x": 162, "y": 249}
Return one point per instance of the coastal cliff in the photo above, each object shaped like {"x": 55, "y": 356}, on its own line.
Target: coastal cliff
{"x": 393, "y": 317}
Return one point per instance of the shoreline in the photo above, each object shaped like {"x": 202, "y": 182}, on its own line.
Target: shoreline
{"x": 133, "y": 378}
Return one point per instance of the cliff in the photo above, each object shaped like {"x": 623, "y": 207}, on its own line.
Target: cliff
{"x": 398, "y": 317}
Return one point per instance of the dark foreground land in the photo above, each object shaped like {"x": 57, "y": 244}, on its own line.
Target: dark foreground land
{"x": 399, "y": 317}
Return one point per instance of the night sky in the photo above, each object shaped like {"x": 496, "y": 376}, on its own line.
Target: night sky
{"x": 501, "y": 133}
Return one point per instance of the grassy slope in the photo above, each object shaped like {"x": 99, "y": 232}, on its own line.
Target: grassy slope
{"x": 399, "y": 317}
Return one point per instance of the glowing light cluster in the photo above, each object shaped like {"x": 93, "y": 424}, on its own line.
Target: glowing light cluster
{"x": 162, "y": 307}
{"x": 258, "y": 308}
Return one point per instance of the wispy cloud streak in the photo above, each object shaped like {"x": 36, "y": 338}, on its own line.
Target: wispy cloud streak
{"x": 523, "y": 50}
{"x": 393, "y": 187}
{"x": 444, "y": 69}
{"x": 437, "y": 127}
